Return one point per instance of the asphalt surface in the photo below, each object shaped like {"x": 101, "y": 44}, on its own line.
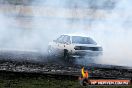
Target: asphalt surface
{"x": 34, "y": 62}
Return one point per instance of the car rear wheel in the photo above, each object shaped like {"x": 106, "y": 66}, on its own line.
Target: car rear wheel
{"x": 50, "y": 51}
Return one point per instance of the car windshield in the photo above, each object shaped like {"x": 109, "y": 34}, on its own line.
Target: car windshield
{"x": 82, "y": 40}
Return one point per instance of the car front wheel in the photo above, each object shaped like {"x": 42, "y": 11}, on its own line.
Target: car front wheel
{"x": 66, "y": 55}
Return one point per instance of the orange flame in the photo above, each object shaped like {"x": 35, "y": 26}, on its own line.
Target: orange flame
{"x": 84, "y": 73}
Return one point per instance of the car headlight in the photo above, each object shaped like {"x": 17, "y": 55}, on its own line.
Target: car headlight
{"x": 77, "y": 47}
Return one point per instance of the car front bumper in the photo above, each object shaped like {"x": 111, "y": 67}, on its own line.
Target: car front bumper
{"x": 86, "y": 54}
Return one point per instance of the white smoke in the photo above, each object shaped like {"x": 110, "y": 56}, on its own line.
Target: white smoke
{"x": 114, "y": 33}
{"x": 112, "y": 29}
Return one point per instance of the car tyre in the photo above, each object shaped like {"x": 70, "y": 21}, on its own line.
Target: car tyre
{"x": 66, "y": 55}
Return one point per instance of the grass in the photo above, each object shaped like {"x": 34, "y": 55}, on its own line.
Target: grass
{"x": 18, "y": 80}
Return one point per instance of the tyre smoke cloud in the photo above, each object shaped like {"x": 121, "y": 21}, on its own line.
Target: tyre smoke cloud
{"x": 114, "y": 34}
{"x": 107, "y": 21}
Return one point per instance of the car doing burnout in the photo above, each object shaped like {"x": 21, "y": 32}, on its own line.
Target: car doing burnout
{"x": 74, "y": 46}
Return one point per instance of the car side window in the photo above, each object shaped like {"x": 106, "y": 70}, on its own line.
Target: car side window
{"x": 66, "y": 39}
{"x": 60, "y": 39}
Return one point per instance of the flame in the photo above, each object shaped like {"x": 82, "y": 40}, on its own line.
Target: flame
{"x": 84, "y": 73}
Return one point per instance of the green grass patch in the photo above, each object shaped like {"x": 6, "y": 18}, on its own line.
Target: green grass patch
{"x": 16, "y": 80}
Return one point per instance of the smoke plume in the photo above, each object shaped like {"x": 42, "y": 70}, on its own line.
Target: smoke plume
{"x": 33, "y": 27}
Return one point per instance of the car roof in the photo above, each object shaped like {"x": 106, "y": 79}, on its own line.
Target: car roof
{"x": 81, "y": 35}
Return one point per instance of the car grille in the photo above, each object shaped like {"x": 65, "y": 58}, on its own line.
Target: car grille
{"x": 88, "y": 48}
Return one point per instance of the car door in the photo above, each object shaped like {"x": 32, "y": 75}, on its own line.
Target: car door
{"x": 66, "y": 41}
{"x": 59, "y": 45}
{"x": 63, "y": 43}
{"x": 55, "y": 45}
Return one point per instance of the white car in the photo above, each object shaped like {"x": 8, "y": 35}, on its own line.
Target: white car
{"x": 74, "y": 46}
